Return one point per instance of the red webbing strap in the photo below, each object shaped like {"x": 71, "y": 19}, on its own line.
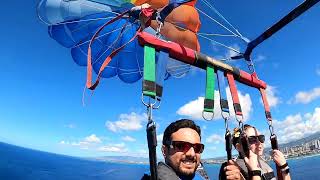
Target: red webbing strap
{"x": 265, "y": 104}
{"x": 106, "y": 62}
{"x": 108, "y": 59}
{"x": 234, "y": 94}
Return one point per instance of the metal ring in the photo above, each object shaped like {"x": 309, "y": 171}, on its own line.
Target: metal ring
{"x": 225, "y": 117}
{"x": 271, "y": 129}
{"x": 250, "y": 65}
{"x": 158, "y": 102}
{"x": 241, "y": 126}
{"x": 226, "y": 125}
{"x": 147, "y": 104}
{"x": 239, "y": 118}
{"x": 206, "y": 118}
{"x": 159, "y": 29}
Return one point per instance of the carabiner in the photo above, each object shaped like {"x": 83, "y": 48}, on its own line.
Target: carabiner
{"x": 203, "y": 115}
{"x": 225, "y": 115}
{"x": 148, "y": 104}
{"x": 271, "y": 129}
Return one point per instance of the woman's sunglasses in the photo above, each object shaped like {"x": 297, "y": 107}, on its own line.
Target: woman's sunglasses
{"x": 255, "y": 139}
{"x": 183, "y": 146}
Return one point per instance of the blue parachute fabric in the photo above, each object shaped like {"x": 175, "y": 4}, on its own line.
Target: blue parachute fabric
{"x": 57, "y": 11}
{"x": 127, "y": 64}
{"x": 73, "y": 23}
{"x": 130, "y": 71}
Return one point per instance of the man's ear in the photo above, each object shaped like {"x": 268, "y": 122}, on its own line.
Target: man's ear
{"x": 164, "y": 150}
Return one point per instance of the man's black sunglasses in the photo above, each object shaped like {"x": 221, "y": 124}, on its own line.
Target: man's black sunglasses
{"x": 183, "y": 146}
{"x": 255, "y": 139}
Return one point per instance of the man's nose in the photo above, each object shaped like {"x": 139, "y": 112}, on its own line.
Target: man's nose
{"x": 191, "y": 152}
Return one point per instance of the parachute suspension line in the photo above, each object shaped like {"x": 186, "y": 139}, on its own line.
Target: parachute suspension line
{"x": 225, "y": 112}
{"x": 209, "y": 99}
{"x": 221, "y": 44}
{"x": 218, "y": 35}
{"x": 102, "y": 35}
{"x": 182, "y": 70}
{"x": 211, "y": 18}
{"x": 89, "y": 84}
{"x": 203, "y": 35}
{"x": 273, "y": 137}
{"x": 114, "y": 43}
{"x": 222, "y": 17}
{"x": 149, "y": 89}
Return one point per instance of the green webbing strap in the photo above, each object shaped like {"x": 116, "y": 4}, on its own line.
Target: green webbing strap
{"x": 209, "y": 99}
{"x": 149, "y": 72}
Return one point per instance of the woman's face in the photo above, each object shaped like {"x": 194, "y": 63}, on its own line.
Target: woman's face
{"x": 255, "y": 145}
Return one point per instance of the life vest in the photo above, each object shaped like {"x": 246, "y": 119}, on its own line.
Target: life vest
{"x": 165, "y": 172}
{"x": 267, "y": 171}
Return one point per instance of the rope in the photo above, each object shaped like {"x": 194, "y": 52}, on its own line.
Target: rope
{"x": 217, "y": 22}
{"x": 221, "y": 44}
{"x": 221, "y": 16}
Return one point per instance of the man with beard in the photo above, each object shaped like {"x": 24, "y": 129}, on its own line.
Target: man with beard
{"x": 181, "y": 149}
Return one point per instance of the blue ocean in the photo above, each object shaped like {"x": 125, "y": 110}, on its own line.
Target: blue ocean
{"x": 18, "y": 163}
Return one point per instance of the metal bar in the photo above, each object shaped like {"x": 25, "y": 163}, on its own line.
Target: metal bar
{"x": 199, "y": 60}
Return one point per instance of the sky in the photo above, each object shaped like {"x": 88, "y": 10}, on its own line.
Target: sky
{"x": 41, "y": 86}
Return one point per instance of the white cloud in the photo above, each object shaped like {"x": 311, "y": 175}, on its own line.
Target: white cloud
{"x": 127, "y": 122}
{"x": 193, "y": 109}
{"x": 71, "y": 126}
{"x": 81, "y": 144}
{"x": 273, "y": 100}
{"x": 119, "y": 148}
{"x": 86, "y": 143}
{"x": 128, "y": 138}
{"x": 138, "y": 153}
{"x": 92, "y": 139}
{"x": 306, "y": 97}
{"x": 232, "y": 53}
{"x": 297, "y": 126}
{"x": 64, "y": 142}
{"x": 215, "y": 138}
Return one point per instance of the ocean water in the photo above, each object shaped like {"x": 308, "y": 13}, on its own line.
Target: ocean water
{"x": 18, "y": 163}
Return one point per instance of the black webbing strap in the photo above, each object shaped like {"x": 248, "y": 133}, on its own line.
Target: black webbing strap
{"x": 228, "y": 144}
{"x": 274, "y": 145}
{"x": 152, "y": 146}
{"x": 223, "y": 94}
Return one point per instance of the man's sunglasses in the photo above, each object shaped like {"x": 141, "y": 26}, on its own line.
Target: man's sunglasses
{"x": 183, "y": 146}
{"x": 255, "y": 139}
